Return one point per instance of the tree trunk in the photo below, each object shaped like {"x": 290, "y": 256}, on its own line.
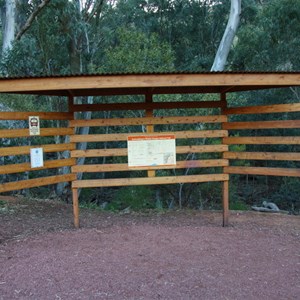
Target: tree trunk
{"x": 9, "y": 25}
{"x": 228, "y": 36}
{"x": 61, "y": 187}
{"x": 82, "y": 146}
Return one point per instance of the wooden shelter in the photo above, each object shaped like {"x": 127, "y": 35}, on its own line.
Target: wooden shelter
{"x": 219, "y": 127}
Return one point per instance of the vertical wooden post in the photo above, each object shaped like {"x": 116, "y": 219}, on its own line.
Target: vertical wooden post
{"x": 225, "y": 190}
{"x": 149, "y": 128}
{"x": 71, "y": 104}
{"x": 75, "y": 207}
{"x": 225, "y": 203}
{"x": 74, "y": 190}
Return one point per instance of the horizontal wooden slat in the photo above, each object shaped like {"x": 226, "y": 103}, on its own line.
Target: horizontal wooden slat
{"x": 144, "y": 106}
{"x": 43, "y": 115}
{"x": 206, "y": 163}
{"x": 15, "y": 133}
{"x": 25, "y": 184}
{"x": 263, "y": 140}
{"x": 100, "y": 152}
{"x": 262, "y": 156}
{"x": 263, "y": 171}
{"x": 262, "y": 124}
{"x": 148, "y": 121}
{"x": 262, "y": 109}
{"x": 123, "y": 151}
{"x": 201, "y": 149}
{"x": 9, "y": 151}
{"x": 124, "y": 136}
{"x": 148, "y": 180}
{"x": 24, "y": 167}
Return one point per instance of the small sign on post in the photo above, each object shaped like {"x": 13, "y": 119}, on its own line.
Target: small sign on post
{"x": 36, "y": 157}
{"x": 151, "y": 150}
{"x": 34, "y": 125}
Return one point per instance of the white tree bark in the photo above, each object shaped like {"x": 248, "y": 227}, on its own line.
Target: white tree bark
{"x": 9, "y": 25}
{"x": 60, "y": 187}
{"x": 228, "y": 36}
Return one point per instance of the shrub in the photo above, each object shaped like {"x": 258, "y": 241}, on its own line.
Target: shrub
{"x": 136, "y": 198}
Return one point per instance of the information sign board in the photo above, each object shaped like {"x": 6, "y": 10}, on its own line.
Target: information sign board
{"x": 36, "y": 157}
{"x": 151, "y": 150}
{"x": 34, "y": 125}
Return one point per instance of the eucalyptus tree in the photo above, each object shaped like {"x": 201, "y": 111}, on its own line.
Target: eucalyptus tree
{"x": 272, "y": 40}
{"x": 228, "y": 36}
{"x": 269, "y": 40}
{"x": 13, "y": 25}
{"x": 8, "y": 14}
{"x": 193, "y": 28}
{"x": 59, "y": 39}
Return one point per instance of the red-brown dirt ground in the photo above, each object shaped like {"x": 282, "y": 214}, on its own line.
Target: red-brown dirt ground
{"x": 154, "y": 255}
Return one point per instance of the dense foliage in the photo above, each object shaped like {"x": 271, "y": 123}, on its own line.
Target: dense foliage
{"x": 160, "y": 35}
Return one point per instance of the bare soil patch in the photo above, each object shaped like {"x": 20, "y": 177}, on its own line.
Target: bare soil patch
{"x": 169, "y": 255}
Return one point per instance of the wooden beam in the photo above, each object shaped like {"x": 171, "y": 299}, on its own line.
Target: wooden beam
{"x": 43, "y": 115}
{"x": 141, "y": 91}
{"x": 201, "y": 149}
{"x": 25, "y": 184}
{"x": 148, "y": 180}
{"x": 123, "y": 151}
{"x": 16, "y": 133}
{"x": 145, "y": 106}
{"x": 68, "y": 83}
{"x": 21, "y": 150}
{"x": 100, "y": 152}
{"x": 148, "y": 120}
{"x": 262, "y": 124}
{"x": 124, "y": 136}
{"x": 24, "y": 167}
{"x": 263, "y": 140}
{"x": 263, "y": 156}
{"x": 263, "y": 171}
{"x": 205, "y": 163}
{"x": 263, "y": 109}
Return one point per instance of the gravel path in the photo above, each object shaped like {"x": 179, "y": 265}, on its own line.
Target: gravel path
{"x": 176, "y": 255}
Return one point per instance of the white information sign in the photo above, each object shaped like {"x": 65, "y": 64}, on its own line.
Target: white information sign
{"x": 36, "y": 157}
{"x": 34, "y": 125}
{"x": 151, "y": 150}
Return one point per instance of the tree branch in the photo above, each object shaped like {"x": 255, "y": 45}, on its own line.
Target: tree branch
{"x": 31, "y": 19}
{"x": 96, "y": 10}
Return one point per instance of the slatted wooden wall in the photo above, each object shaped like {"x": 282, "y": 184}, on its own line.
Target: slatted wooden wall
{"x": 122, "y": 152}
{"x": 256, "y": 133}
{"x": 200, "y": 140}
{"x": 204, "y": 144}
{"x": 11, "y": 136}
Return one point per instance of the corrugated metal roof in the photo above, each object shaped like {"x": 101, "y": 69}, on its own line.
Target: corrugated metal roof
{"x": 145, "y": 73}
